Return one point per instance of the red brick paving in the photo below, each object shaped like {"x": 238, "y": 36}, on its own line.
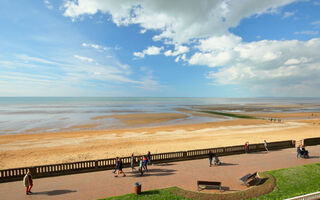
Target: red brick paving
{"x": 184, "y": 174}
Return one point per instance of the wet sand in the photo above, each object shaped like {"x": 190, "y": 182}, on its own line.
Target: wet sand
{"x": 48, "y": 148}
{"x": 144, "y": 118}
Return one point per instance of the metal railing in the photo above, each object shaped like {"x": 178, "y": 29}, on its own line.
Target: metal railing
{"x": 311, "y": 141}
{"x": 7, "y": 175}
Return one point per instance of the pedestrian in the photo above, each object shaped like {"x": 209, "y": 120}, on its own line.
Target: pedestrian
{"x": 299, "y": 153}
{"x": 28, "y": 183}
{"x": 132, "y": 162}
{"x": 119, "y": 168}
{"x": 246, "y": 147}
{"x": 149, "y": 158}
{"x": 210, "y": 158}
{"x": 145, "y": 163}
{"x": 265, "y": 145}
{"x": 117, "y": 163}
{"x": 140, "y": 166}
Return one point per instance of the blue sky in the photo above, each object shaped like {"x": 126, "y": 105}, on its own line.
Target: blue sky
{"x": 155, "y": 48}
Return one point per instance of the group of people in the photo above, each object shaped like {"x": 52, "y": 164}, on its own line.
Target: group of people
{"x": 143, "y": 162}
{"x": 302, "y": 152}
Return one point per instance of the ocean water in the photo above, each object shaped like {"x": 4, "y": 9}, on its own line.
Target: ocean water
{"x": 50, "y": 114}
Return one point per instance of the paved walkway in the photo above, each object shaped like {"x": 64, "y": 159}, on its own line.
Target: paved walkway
{"x": 184, "y": 174}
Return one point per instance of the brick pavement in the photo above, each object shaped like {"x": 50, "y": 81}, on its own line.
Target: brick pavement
{"x": 184, "y": 174}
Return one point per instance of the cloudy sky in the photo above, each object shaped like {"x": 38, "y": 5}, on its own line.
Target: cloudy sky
{"x": 175, "y": 48}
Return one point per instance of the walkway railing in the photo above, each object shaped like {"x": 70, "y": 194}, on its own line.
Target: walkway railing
{"x": 311, "y": 141}
{"x": 311, "y": 196}
{"x": 7, "y": 175}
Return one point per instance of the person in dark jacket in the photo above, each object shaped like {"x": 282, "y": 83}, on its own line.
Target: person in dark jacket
{"x": 117, "y": 163}
{"x": 145, "y": 163}
{"x": 210, "y": 158}
{"x": 119, "y": 168}
{"x": 149, "y": 158}
{"x": 299, "y": 151}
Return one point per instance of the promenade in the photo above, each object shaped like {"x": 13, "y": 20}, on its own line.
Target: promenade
{"x": 183, "y": 174}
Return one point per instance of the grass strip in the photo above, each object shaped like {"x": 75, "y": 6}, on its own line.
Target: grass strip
{"x": 295, "y": 181}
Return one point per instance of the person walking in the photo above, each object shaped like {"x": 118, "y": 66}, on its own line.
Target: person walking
{"x": 246, "y": 147}
{"x": 266, "y": 145}
{"x": 119, "y": 168}
{"x": 28, "y": 183}
{"x": 140, "y": 166}
{"x": 117, "y": 163}
{"x": 299, "y": 153}
{"x": 132, "y": 161}
{"x": 145, "y": 163}
{"x": 149, "y": 158}
{"x": 210, "y": 158}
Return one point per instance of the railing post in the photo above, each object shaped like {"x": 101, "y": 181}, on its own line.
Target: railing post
{"x": 294, "y": 143}
{"x": 96, "y": 164}
{"x": 185, "y": 155}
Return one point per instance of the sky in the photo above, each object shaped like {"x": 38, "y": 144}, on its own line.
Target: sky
{"x": 168, "y": 48}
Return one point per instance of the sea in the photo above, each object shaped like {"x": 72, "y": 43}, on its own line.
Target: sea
{"x": 55, "y": 114}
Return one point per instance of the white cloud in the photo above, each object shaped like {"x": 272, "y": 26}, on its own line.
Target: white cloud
{"x": 307, "y": 32}
{"x": 95, "y": 46}
{"x": 32, "y": 59}
{"x": 147, "y": 81}
{"x": 178, "y": 21}
{"x": 316, "y": 23}
{"x": 295, "y": 61}
{"x": 48, "y": 4}
{"x": 152, "y": 50}
{"x": 265, "y": 64}
{"x": 288, "y": 14}
{"x": 83, "y": 58}
{"x": 179, "y": 49}
{"x": 142, "y": 31}
{"x": 290, "y": 66}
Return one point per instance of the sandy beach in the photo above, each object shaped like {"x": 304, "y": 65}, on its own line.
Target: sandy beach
{"x": 22, "y": 150}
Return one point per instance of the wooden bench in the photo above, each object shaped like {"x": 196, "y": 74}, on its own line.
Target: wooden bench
{"x": 250, "y": 179}
{"x": 208, "y": 183}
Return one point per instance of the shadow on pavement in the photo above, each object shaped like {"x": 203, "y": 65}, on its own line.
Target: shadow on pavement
{"x": 54, "y": 192}
{"x": 154, "y": 172}
{"x": 310, "y": 157}
{"x": 259, "y": 152}
{"x": 227, "y": 164}
{"x": 165, "y": 164}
